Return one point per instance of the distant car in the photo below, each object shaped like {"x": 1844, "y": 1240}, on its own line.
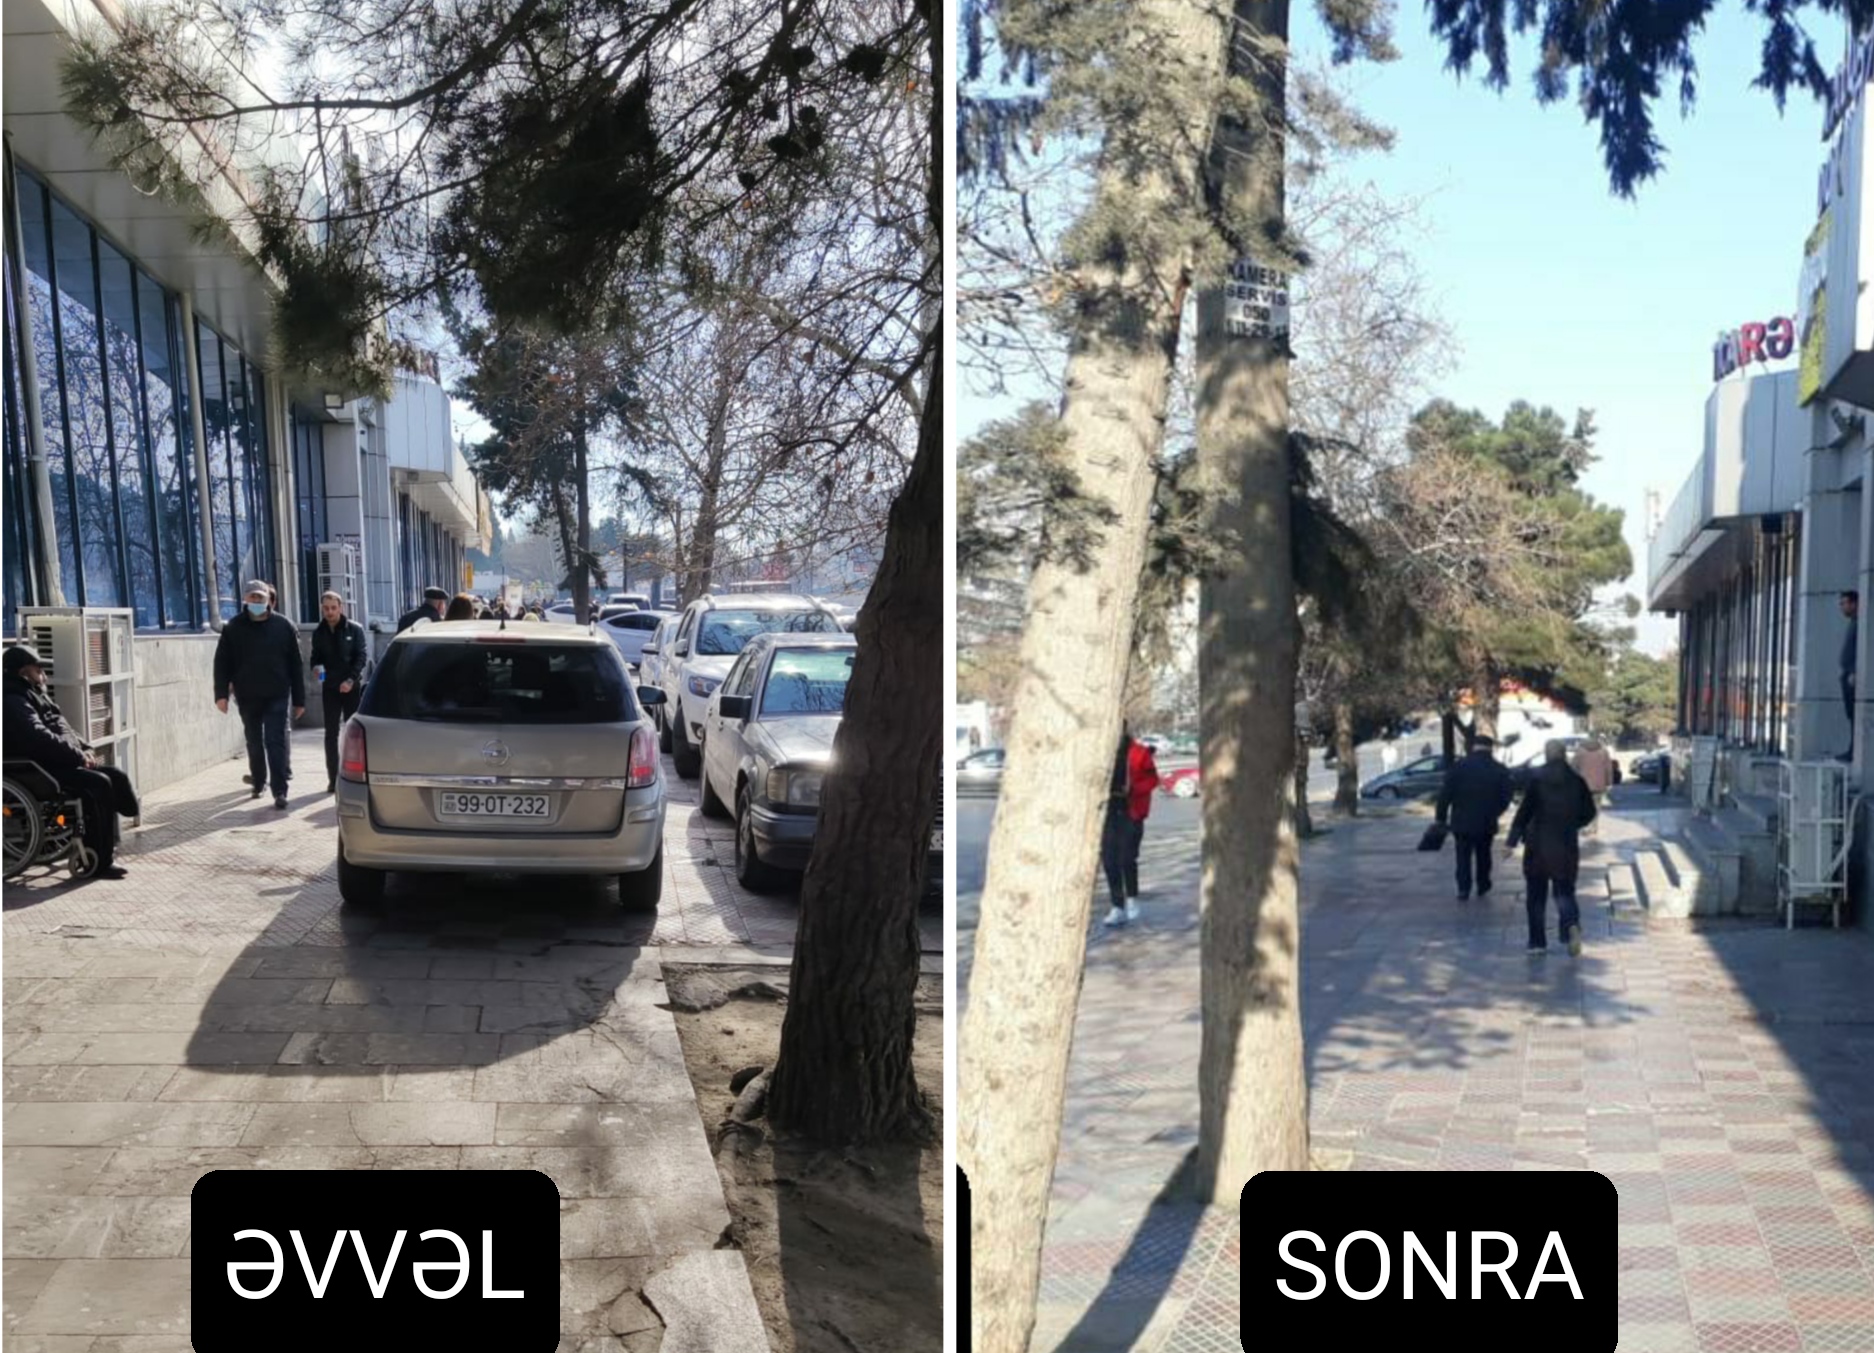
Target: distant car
{"x": 1183, "y": 783}
{"x": 561, "y": 613}
{"x": 1647, "y": 769}
{"x": 631, "y": 630}
{"x": 1419, "y": 778}
{"x": 516, "y": 750}
{"x": 1182, "y": 745}
{"x": 981, "y": 772}
{"x": 651, "y": 670}
{"x": 637, "y": 599}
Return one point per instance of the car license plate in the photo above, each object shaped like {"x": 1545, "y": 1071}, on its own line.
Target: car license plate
{"x": 495, "y": 805}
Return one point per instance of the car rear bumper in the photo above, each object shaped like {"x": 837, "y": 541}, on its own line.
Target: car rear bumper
{"x": 454, "y": 851}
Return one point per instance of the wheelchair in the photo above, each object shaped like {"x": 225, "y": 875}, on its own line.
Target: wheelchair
{"x": 44, "y": 822}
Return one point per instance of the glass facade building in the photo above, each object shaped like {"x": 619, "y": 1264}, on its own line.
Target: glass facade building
{"x": 107, "y": 348}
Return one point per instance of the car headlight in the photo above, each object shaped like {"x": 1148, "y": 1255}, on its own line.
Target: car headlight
{"x": 795, "y": 788}
{"x": 703, "y": 687}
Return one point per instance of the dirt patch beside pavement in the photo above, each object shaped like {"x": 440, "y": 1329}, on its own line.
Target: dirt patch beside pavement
{"x": 844, "y": 1248}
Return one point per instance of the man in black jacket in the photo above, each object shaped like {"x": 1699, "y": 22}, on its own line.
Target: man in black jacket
{"x": 1555, "y": 807}
{"x": 340, "y": 653}
{"x": 36, "y": 730}
{"x": 1475, "y": 796}
{"x": 258, "y": 662}
{"x": 435, "y": 600}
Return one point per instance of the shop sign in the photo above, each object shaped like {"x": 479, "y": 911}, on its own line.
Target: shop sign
{"x": 1752, "y": 343}
{"x": 1850, "y": 79}
{"x": 1255, "y": 301}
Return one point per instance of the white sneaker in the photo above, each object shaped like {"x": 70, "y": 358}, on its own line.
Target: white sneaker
{"x": 1574, "y": 941}
{"x": 1132, "y": 910}
{"x": 1115, "y": 917}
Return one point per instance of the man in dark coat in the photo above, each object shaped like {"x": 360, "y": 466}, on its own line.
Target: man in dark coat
{"x": 1475, "y": 796}
{"x": 36, "y": 730}
{"x": 1555, "y": 807}
{"x": 340, "y": 653}
{"x": 1850, "y": 660}
{"x": 257, "y": 661}
{"x": 434, "y": 601}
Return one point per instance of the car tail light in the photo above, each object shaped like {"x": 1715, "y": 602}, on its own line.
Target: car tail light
{"x": 351, "y": 753}
{"x": 643, "y": 758}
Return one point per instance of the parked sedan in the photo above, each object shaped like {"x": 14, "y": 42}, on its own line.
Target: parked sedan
{"x": 767, "y": 737}
{"x": 1417, "y": 779}
{"x": 631, "y": 630}
{"x": 1647, "y": 769}
{"x": 981, "y": 772}
{"x": 521, "y": 750}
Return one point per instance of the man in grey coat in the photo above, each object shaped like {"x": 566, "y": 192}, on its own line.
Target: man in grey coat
{"x": 1555, "y": 807}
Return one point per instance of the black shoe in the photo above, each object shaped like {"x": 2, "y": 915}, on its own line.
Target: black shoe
{"x": 258, "y": 791}
{"x": 1483, "y": 890}
{"x": 247, "y": 779}
{"x": 1464, "y": 897}
{"x": 279, "y": 800}
{"x": 331, "y": 787}
{"x": 108, "y": 871}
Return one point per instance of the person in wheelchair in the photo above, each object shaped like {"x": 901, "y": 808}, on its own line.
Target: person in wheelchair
{"x": 36, "y": 730}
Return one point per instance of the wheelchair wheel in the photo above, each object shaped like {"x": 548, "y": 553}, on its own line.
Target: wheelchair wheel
{"x": 25, "y": 827}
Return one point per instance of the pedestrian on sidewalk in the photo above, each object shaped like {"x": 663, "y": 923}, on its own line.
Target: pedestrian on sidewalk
{"x": 434, "y": 600}
{"x": 1141, "y": 782}
{"x": 340, "y": 653}
{"x": 1850, "y": 660}
{"x": 1475, "y": 795}
{"x": 1555, "y": 807}
{"x": 35, "y": 729}
{"x": 1595, "y": 766}
{"x": 461, "y": 607}
{"x": 1116, "y": 831}
{"x": 257, "y": 659}
{"x": 1388, "y": 757}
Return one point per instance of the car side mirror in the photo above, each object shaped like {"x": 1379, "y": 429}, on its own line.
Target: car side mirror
{"x": 650, "y": 648}
{"x": 651, "y": 695}
{"x": 733, "y": 707}
{"x": 681, "y": 651}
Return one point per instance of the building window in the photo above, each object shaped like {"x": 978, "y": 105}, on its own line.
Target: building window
{"x": 116, "y": 433}
{"x": 233, "y": 414}
{"x": 20, "y": 562}
{"x": 309, "y": 479}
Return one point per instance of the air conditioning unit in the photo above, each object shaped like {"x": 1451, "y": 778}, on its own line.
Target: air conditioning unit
{"x": 341, "y": 570}
{"x": 89, "y": 655}
{"x": 1814, "y": 815}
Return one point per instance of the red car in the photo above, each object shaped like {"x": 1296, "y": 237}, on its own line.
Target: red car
{"x": 1181, "y": 783}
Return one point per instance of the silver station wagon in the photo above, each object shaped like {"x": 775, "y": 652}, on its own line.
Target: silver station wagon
{"x": 521, "y": 749}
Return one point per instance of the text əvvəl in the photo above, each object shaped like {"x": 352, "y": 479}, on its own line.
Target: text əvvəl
{"x": 1446, "y": 1281}
{"x": 379, "y": 1281}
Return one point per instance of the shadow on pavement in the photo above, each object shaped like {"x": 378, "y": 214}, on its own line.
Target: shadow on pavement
{"x": 1142, "y": 1279}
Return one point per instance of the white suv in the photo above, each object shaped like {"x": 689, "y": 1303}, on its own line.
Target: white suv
{"x": 704, "y": 647}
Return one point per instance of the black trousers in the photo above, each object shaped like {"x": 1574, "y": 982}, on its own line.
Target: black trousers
{"x": 264, "y": 722}
{"x": 1847, "y": 704}
{"x": 1116, "y": 847}
{"x": 1536, "y": 900}
{"x": 338, "y": 708}
{"x": 106, "y": 791}
{"x": 1134, "y": 838}
{"x": 1473, "y": 862}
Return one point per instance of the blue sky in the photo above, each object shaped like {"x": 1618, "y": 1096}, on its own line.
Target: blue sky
{"x": 1561, "y": 293}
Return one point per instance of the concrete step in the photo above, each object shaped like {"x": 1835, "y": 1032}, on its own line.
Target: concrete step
{"x": 1658, "y": 894}
{"x": 1717, "y": 862}
{"x": 1753, "y": 812}
{"x": 1623, "y": 890}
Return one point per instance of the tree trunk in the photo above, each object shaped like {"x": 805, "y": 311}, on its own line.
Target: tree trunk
{"x": 1484, "y": 698}
{"x": 582, "y": 525}
{"x": 1347, "y": 754}
{"x": 1304, "y": 823}
{"x": 1252, "y": 1087}
{"x": 1076, "y": 643}
{"x": 844, "y": 1073}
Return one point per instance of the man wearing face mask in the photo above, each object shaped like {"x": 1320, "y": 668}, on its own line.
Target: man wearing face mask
{"x": 36, "y": 730}
{"x": 258, "y": 657}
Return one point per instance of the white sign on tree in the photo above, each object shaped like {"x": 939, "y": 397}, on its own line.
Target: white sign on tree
{"x": 1255, "y": 301}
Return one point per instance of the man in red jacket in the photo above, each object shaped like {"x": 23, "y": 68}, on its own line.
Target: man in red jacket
{"x": 1135, "y": 776}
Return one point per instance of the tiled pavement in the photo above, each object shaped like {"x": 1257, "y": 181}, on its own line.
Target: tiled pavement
{"x": 216, "y": 1009}
{"x": 1724, "y": 1079}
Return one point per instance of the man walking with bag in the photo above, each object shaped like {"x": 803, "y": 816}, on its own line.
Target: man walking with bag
{"x": 1475, "y": 795}
{"x": 1555, "y": 807}
{"x": 340, "y": 652}
{"x": 257, "y": 660}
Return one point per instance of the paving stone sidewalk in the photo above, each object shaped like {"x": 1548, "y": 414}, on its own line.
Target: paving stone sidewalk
{"x": 217, "y": 1009}
{"x": 1723, "y": 1078}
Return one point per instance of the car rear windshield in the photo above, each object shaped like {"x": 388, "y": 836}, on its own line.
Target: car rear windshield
{"x": 497, "y": 682}
{"x": 725, "y": 633}
{"x": 808, "y": 681}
